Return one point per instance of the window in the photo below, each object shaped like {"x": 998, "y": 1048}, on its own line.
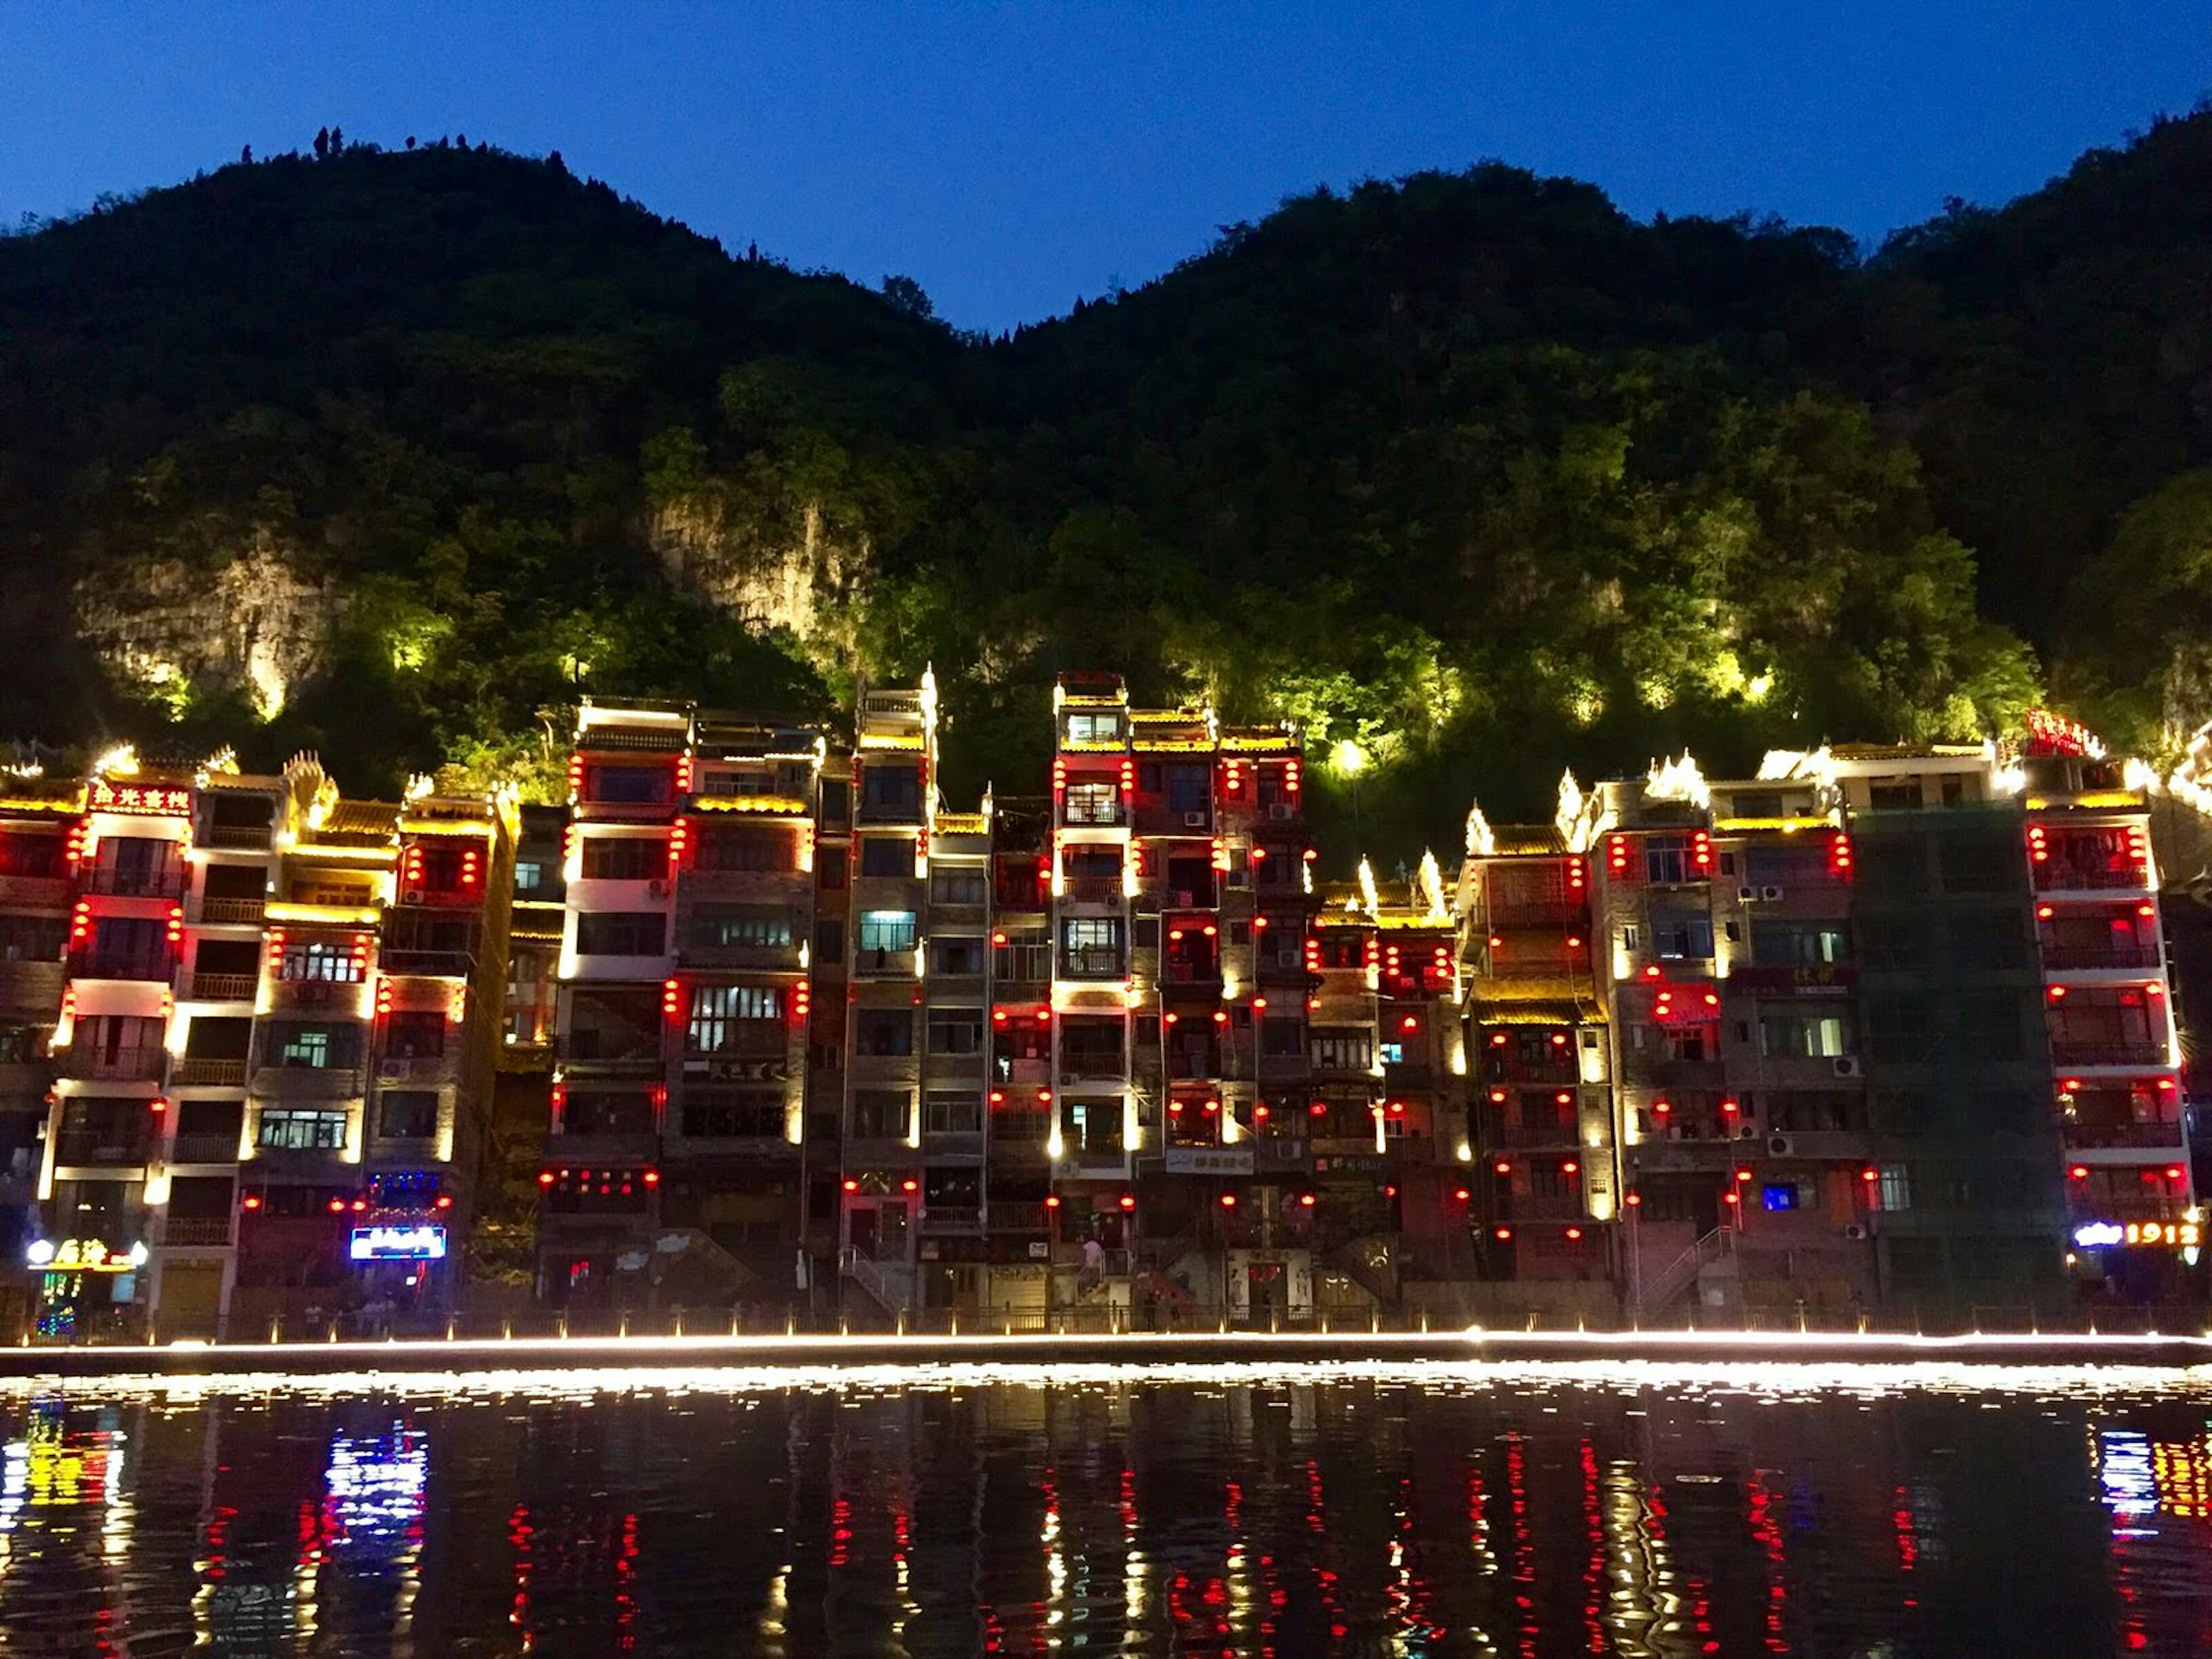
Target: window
{"x": 745, "y": 847}
{"x": 608, "y": 1112}
{"x": 415, "y": 1034}
{"x": 951, "y": 1112}
{"x": 1021, "y": 959}
{"x": 1785, "y": 864}
{"x": 1899, "y": 1028}
{"x": 402, "y": 1114}
{"x": 729, "y": 1019}
{"x": 1668, "y": 859}
{"x": 1190, "y": 790}
{"x": 1344, "y": 1048}
{"x": 1804, "y": 1036}
{"x": 1092, "y": 802}
{"x": 1677, "y": 937}
{"x": 1091, "y": 1126}
{"x": 726, "y": 926}
{"x": 1796, "y": 944}
{"x": 1893, "y": 794}
{"x": 628, "y": 785}
{"x": 1091, "y": 947}
{"x": 1282, "y": 1038}
{"x": 1340, "y": 947}
{"x": 309, "y": 1049}
{"x": 882, "y": 930}
{"x": 955, "y": 958}
{"x": 625, "y": 858}
{"x": 32, "y": 938}
{"x": 958, "y": 886}
{"x": 621, "y": 934}
{"x": 881, "y": 1114}
{"x": 1092, "y": 863}
{"x": 883, "y": 1031}
{"x": 1784, "y": 1195}
{"x": 887, "y": 855}
{"x": 956, "y": 1031}
{"x": 528, "y": 877}
{"x": 832, "y": 863}
{"x": 709, "y": 1112}
{"x": 1392, "y": 1054}
{"x": 303, "y": 1129}
{"x": 1893, "y": 1191}
{"x": 1083, "y": 727}
{"x": 890, "y": 791}
{"x": 319, "y": 960}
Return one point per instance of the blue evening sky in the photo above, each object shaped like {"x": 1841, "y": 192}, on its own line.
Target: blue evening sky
{"x": 1011, "y": 157}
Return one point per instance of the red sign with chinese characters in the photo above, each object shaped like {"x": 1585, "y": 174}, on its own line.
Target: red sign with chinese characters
{"x": 155, "y": 800}
{"x": 1793, "y": 980}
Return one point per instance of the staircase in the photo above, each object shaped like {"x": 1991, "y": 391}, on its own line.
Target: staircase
{"x": 1370, "y": 1264}
{"x": 1659, "y": 1292}
{"x": 889, "y": 1284}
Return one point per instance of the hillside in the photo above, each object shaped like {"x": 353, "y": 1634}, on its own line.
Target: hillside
{"x": 392, "y": 454}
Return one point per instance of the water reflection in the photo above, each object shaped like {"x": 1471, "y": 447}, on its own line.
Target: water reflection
{"x": 1420, "y": 1510}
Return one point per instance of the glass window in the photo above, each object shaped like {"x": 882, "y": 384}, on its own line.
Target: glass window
{"x": 1804, "y": 1036}
{"x": 754, "y": 846}
{"x": 883, "y": 1031}
{"x": 303, "y": 1129}
{"x": 628, "y": 785}
{"x": 1091, "y": 947}
{"x": 956, "y": 886}
{"x": 886, "y": 930}
{"x": 405, "y": 1114}
{"x": 1344, "y": 1048}
{"x": 721, "y": 1014}
{"x": 1088, "y": 727}
{"x": 1092, "y": 802}
{"x": 951, "y": 1112}
{"x": 621, "y": 934}
{"x": 881, "y": 1114}
{"x": 625, "y": 858}
{"x": 529, "y": 875}
{"x": 319, "y": 960}
{"x": 886, "y": 855}
{"x": 956, "y": 1031}
{"x": 742, "y": 1113}
{"x": 415, "y": 1034}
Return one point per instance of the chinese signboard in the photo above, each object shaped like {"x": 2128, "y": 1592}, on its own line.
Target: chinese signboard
{"x": 154, "y": 799}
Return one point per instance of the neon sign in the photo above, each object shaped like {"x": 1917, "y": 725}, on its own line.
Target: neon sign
{"x": 152, "y": 799}
{"x": 82, "y": 1255}
{"x": 418, "y": 1244}
{"x": 2177, "y": 1234}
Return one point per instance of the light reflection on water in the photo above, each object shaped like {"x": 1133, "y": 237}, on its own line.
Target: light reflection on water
{"x": 1404, "y": 1509}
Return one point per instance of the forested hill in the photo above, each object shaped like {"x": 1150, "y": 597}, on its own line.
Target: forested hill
{"x": 392, "y": 454}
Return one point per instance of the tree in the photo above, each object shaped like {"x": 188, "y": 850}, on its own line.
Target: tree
{"x": 322, "y": 142}
{"x": 907, "y": 297}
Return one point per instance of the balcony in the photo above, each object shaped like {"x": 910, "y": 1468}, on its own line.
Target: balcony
{"x": 33, "y": 892}
{"x": 2066, "y": 1051}
{"x": 206, "y": 1148}
{"x": 2087, "y": 875}
{"x": 222, "y": 988}
{"x": 428, "y": 965}
{"x": 952, "y": 1219}
{"x": 1093, "y": 1067}
{"x": 766, "y": 958}
{"x": 1018, "y": 1219}
{"x": 134, "y": 1063}
{"x": 2091, "y": 1137}
{"x": 441, "y": 898}
{"x": 294, "y": 1083}
{"x": 228, "y": 912}
{"x": 138, "y": 883}
{"x": 154, "y": 965}
{"x": 85, "y": 1148}
{"x": 192, "y": 1069}
{"x": 1547, "y": 914}
{"x": 1105, "y": 965}
{"x": 2086, "y": 958}
{"x": 233, "y": 837}
{"x": 197, "y": 1231}
{"x": 877, "y": 962}
{"x": 31, "y": 986}
{"x": 590, "y": 1148}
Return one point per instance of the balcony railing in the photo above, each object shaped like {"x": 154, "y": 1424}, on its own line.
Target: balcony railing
{"x": 2091, "y": 1135}
{"x": 212, "y": 909}
{"x": 445, "y": 965}
{"x": 206, "y": 1148}
{"x": 218, "y": 1073}
{"x": 1017, "y": 1217}
{"x": 234, "y": 837}
{"x": 34, "y": 892}
{"x": 1093, "y": 964}
{"x": 136, "y": 1063}
{"x": 199, "y": 1230}
{"x": 136, "y": 884}
{"x": 223, "y": 988}
{"x": 1537, "y": 913}
{"x": 2062, "y": 876}
{"x": 2080, "y": 956}
{"x": 2067, "y": 1052}
{"x": 1078, "y": 1065}
{"x": 95, "y": 1146}
{"x": 139, "y": 964}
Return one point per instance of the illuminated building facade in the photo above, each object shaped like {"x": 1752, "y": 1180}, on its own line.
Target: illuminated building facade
{"x": 1882, "y": 1028}
{"x": 274, "y": 1016}
{"x": 675, "y": 1165}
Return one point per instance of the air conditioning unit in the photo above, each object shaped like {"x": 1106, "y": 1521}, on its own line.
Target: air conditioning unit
{"x": 1745, "y": 895}
{"x": 1855, "y": 1230}
{"x": 1281, "y": 809}
{"x": 1847, "y": 1066}
{"x": 1193, "y": 820}
{"x": 1781, "y": 1146}
{"x": 1770, "y": 894}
